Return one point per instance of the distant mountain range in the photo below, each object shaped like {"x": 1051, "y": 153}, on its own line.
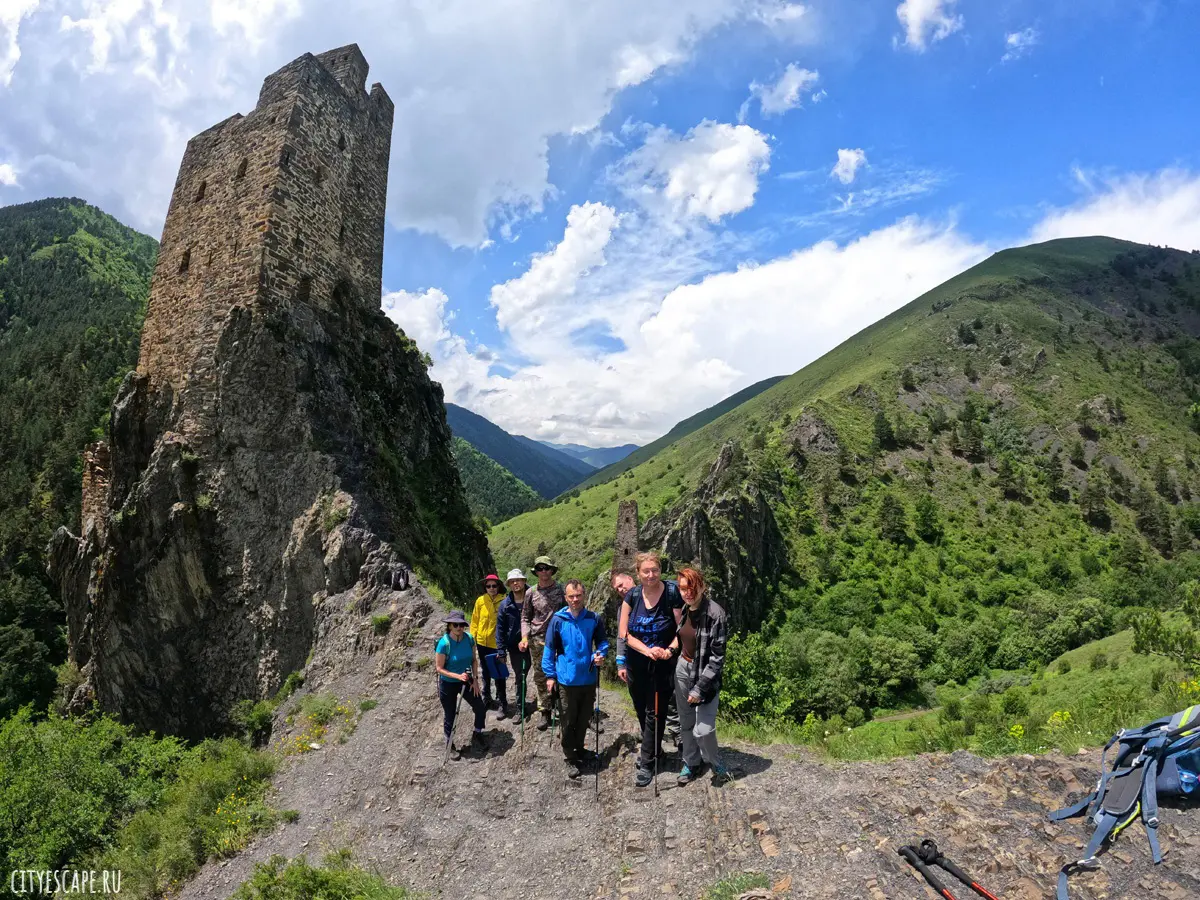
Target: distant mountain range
{"x": 596, "y": 457}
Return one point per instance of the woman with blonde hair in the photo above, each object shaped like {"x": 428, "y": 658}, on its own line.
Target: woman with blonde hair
{"x": 700, "y": 643}
{"x": 649, "y": 618}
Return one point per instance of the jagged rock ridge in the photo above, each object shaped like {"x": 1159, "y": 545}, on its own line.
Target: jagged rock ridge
{"x": 280, "y": 449}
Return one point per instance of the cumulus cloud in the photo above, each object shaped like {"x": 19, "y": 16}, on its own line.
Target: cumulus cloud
{"x": 1018, "y": 44}
{"x": 422, "y": 315}
{"x": 786, "y": 93}
{"x": 8, "y": 175}
{"x": 848, "y": 164}
{"x": 546, "y": 290}
{"x": 710, "y": 172}
{"x": 1150, "y": 208}
{"x": 927, "y": 21}
{"x": 102, "y": 97}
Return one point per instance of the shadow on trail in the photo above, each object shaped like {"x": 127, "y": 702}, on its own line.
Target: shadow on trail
{"x": 743, "y": 764}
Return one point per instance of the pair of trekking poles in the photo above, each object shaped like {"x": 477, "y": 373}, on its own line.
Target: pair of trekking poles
{"x": 921, "y": 858}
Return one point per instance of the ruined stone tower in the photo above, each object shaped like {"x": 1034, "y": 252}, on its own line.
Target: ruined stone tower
{"x": 284, "y": 206}
{"x": 627, "y": 536}
{"x": 281, "y": 449}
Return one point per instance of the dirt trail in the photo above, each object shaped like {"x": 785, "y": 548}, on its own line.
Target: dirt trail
{"x": 507, "y": 823}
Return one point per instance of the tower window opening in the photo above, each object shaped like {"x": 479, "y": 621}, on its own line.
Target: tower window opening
{"x": 200, "y": 191}
{"x": 285, "y": 158}
{"x": 341, "y": 142}
{"x": 304, "y": 289}
{"x": 342, "y": 234}
{"x": 210, "y": 257}
{"x": 319, "y": 175}
{"x": 241, "y": 169}
{"x": 184, "y": 261}
{"x": 298, "y": 242}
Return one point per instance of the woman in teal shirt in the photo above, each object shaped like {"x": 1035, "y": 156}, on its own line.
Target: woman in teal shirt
{"x": 458, "y": 673}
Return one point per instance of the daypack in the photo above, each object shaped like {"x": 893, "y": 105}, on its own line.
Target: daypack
{"x": 1158, "y": 761}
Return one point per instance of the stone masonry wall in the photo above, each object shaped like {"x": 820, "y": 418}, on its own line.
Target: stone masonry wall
{"x": 627, "y": 536}
{"x": 96, "y": 468}
{"x": 282, "y": 206}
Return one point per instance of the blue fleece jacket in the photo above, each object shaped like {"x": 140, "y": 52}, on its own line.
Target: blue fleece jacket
{"x": 569, "y": 647}
{"x": 508, "y": 624}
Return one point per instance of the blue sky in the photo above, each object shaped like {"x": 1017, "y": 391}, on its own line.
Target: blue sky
{"x": 606, "y": 216}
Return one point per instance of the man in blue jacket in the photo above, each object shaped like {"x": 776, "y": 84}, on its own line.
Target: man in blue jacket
{"x": 575, "y": 649}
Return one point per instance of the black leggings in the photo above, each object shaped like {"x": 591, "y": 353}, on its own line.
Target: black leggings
{"x": 448, "y": 692}
{"x": 647, "y": 678}
{"x": 501, "y": 683}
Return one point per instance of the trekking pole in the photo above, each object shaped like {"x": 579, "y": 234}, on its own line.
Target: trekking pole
{"x": 553, "y": 712}
{"x": 454, "y": 721}
{"x": 654, "y": 733}
{"x": 929, "y": 853}
{"x": 521, "y": 687}
{"x": 597, "y": 763}
{"x": 915, "y": 861}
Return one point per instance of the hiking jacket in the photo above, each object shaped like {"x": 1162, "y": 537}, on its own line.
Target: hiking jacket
{"x": 483, "y": 621}
{"x": 570, "y": 644}
{"x": 508, "y": 623}
{"x": 712, "y": 632}
{"x": 539, "y": 606}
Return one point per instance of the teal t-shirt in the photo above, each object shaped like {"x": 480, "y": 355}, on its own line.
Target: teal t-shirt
{"x": 458, "y": 654}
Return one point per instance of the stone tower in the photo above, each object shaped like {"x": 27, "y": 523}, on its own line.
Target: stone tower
{"x": 281, "y": 207}
{"x": 627, "y": 536}
{"x": 280, "y": 451}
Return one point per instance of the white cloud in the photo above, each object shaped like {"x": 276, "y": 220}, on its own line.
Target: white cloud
{"x": 1155, "y": 208}
{"x": 848, "y": 163}
{"x": 8, "y": 175}
{"x": 927, "y": 21}
{"x": 104, "y": 96}
{"x": 710, "y": 172}
{"x": 422, "y": 315}
{"x": 11, "y": 14}
{"x": 1018, "y": 44}
{"x": 776, "y": 99}
{"x": 546, "y": 290}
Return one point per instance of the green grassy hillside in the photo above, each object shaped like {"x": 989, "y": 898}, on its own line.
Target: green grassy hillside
{"x": 492, "y": 491}
{"x": 73, "y": 289}
{"x": 1001, "y": 470}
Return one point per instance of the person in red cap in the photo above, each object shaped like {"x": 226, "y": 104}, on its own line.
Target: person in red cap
{"x": 483, "y": 629}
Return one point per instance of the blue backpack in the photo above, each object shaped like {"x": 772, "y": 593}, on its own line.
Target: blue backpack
{"x": 1160, "y": 760}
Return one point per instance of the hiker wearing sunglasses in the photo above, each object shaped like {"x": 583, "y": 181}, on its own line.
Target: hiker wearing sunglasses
{"x": 458, "y": 674}
{"x": 508, "y": 636}
{"x": 576, "y": 645}
{"x": 700, "y": 644}
{"x": 544, "y": 600}
{"x": 650, "y": 615}
{"x": 483, "y": 630}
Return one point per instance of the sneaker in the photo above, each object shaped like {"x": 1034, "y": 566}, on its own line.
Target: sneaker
{"x": 573, "y": 770}
{"x": 544, "y": 722}
{"x": 688, "y": 774}
{"x": 454, "y": 752}
{"x": 643, "y": 777}
{"x": 721, "y": 775}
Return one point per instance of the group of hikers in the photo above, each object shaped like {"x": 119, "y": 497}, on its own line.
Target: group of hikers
{"x": 670, "y": 653}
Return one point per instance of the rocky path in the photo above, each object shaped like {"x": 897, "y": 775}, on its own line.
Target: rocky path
{"x": 506, "y": 823}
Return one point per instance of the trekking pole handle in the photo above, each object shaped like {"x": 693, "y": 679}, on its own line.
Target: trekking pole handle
{"x": 914, "y": 860}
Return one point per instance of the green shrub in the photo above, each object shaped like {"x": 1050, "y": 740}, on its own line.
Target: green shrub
{"x": 337, "y": 878}
{"x": 732, "y": 888}
{"x": 1099, "y": 661}
{"x": 291, "y": 684}
{"x": 1064, "y": 666}
{"x": 368, "y": 704}
{"x": 381, "y": 624}
{"x": 254, "y": 718}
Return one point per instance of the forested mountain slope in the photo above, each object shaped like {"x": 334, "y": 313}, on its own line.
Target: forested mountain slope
{"x": 73, "y": 288}
{"x": 999, "y": 471}
{"x": 546, "y": 470}
{"x": 492, "y": 491}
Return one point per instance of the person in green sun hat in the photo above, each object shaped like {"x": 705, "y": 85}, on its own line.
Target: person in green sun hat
{"x": 543, "y": 601}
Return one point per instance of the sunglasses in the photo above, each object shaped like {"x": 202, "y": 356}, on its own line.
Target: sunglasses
{"x": 457, "y": 625}
{"x": 490, "y": 585}
{"x": 544, "y": 569}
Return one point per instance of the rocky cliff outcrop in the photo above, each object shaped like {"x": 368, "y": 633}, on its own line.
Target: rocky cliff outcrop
{"x": 287, "y": 447}
{"x": 729, "y": 529}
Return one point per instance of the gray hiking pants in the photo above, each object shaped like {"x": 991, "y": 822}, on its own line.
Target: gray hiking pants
{"x": 697, "y": 724}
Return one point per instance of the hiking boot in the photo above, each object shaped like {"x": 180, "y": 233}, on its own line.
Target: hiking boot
{"x": 454, "y": 752}
{"x": 504, "y": 711}
{"x": 492, "y": 704}
{"x": 573, "y": 770}
{"x": 478, "y": 740}
{"x": 643, "y": 777}
{"x": 721, "y": 776}
{"x": 543, "y": 722}
{"x": 688, "y": 774}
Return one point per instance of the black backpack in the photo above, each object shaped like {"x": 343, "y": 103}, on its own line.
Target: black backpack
{"x": 1159, "y": 760}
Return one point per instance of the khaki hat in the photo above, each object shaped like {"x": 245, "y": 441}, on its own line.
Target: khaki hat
{"x": 544, "y": 561}
{"x": 514, "y": 574}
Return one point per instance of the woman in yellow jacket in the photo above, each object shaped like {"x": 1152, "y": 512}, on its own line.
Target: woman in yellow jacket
{"x": 483, "y": 629}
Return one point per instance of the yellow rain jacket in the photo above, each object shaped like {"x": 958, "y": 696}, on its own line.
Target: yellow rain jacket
{"x": 483, "y": 620}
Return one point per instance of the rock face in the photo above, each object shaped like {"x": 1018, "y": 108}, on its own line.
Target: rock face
{"x": 280, "y": 442}
{"x": 729, "y": 529}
